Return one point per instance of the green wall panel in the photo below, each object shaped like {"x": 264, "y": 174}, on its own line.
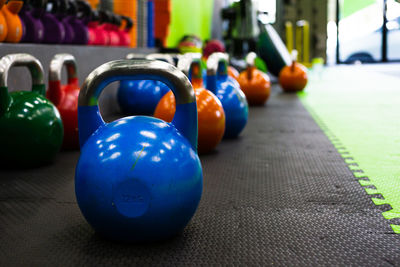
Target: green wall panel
{"x": 190, "y": 17}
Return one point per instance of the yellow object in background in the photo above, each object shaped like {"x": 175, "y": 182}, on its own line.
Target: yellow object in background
{"x": 289, "y": 36}
{"x": 303, "y": 42}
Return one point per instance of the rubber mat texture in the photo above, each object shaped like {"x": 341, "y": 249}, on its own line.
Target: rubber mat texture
{"x": 360, "y": 116}
{"x": 278, "y": 195}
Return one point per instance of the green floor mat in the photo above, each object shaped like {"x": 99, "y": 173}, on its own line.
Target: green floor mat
{"x": 359, "y": 112}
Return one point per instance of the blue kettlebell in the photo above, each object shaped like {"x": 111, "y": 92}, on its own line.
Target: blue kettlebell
{"x": 228, "y": 91}
{"x": 138, "y": 178}
{"x": 166, "y": 58}
{"x": 140, "y": 97}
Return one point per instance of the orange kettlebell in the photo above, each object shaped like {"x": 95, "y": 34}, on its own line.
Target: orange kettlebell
{"x": 3, "y": 24}
{"x": 211, "y": 116}
{"x": 254, "y": 83}
{"x": 233, "y": 72}
{"x": 14, "y": 25}
{"x": 293, "y": 78}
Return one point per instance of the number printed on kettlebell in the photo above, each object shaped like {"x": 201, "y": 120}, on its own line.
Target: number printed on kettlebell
{"x": 132, "y": 198}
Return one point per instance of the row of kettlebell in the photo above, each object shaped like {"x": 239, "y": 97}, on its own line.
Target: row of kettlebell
{"x": 61, "y": 21}
{"x": 222, "y": 109}
{"x": 139, "y": 178}
{"x": 32, "y": 130}
{"x": 222, "y": 105}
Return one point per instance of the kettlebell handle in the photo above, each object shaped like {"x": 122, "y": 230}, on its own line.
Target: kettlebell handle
{"x": 187, "y": 61}
{"x": 162, "y": 57}
{"x": 217, "y": 66}
{"x": 128, "y": 22}
{"x": 26, "y": 60}
{"x": 155, "y": 56}
{"x": 55, "y": 92}
{"x": 214, "y": 62}
{"x": 175, "y": 57}
{"x": 57, "y": 63}
{"x": 171, "y": 58}
{"x": 89, "y": 118}
{"x": 135, "y": 56}
{"x": 250, "y": 59}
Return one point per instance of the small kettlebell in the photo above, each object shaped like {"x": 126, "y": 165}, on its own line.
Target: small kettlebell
{"x": 65, "y": 14}
{"x": 293, "y": 78}
{"x": 255, "y": 84}
{"x": 211, "y": 115}
{"x": 14, "y": 25}
{"x": 3, "y": 23}
{"x": 138, "y": 178}
{"x": 90, "y": 18}
{"x": 78, "y": 22}
{"x": 31, "y": 129}
{"x": 228, "y": 92}
{"x": 65, "y": 97}
{"x": 97, "y": 33}
{"x": 107, "y": 20}
{"x": 54, "y": 30}
{"x": 101, "y": 29}
{"x": 137, "y": 97}
{"x": 30, "y": 15}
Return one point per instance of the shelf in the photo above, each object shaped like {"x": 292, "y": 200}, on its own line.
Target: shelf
{"x": 87, "y": 57}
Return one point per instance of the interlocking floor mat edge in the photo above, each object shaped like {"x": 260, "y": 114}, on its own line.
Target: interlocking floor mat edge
{"x": 377, "y": 186}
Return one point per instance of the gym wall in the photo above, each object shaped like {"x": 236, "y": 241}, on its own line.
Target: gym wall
{"x": 190, "y": 17}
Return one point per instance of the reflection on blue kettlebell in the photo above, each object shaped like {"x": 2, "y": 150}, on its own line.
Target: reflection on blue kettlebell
{"x": 228, "y": 91}
{"x": 138, "y": 178}
{"x": 166, "y": 58}
{"x": 141, "y": 97}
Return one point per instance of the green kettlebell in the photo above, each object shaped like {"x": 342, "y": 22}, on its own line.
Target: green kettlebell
{"x": 31, "y": 130}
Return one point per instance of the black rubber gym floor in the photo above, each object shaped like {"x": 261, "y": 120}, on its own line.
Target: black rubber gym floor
{"x": 279, "y": 195}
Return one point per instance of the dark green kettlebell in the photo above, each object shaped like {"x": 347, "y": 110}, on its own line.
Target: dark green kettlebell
{"x": 31, "y": 130}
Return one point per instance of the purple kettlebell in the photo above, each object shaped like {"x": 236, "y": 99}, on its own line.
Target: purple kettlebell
{"x": 30, "y": 15}
{"x": 54, "y": 30}
{"x": 78, "y": 23}
{"x": 64, "y": 12}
